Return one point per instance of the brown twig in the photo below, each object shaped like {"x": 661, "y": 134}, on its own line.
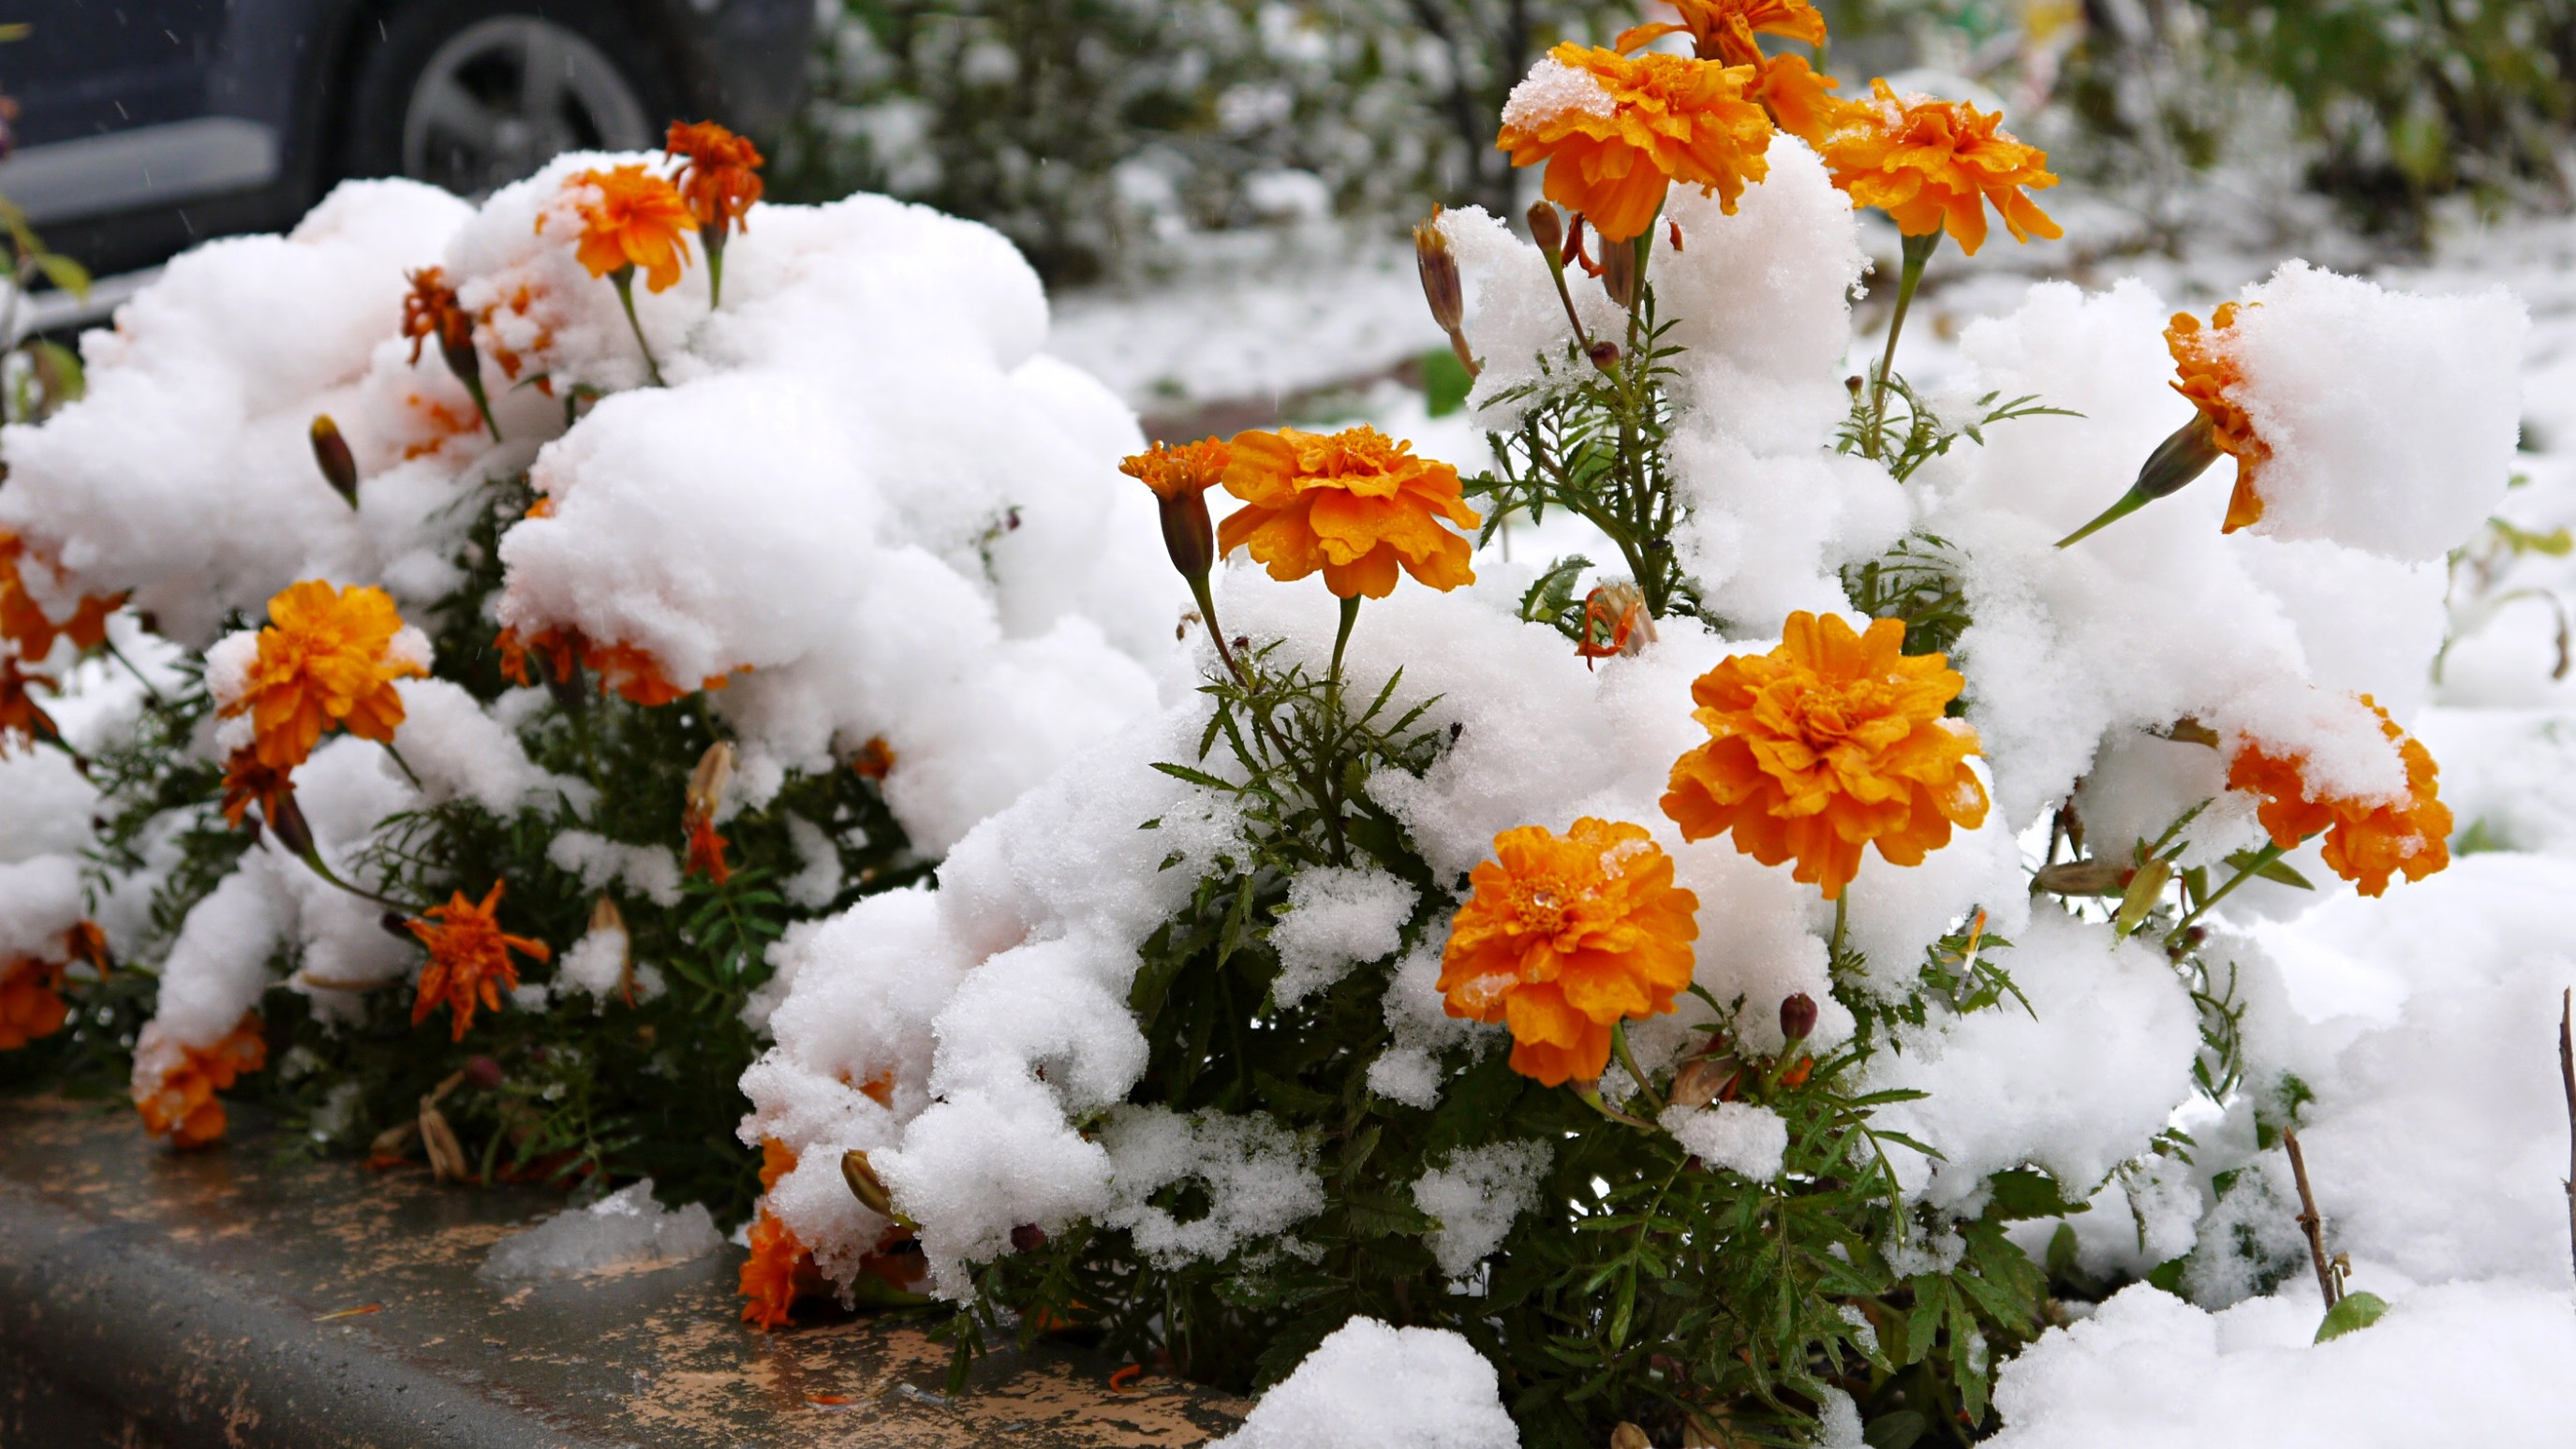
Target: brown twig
{"x": 2567, "y": 1070}
{"x": 2310, "y": 1223}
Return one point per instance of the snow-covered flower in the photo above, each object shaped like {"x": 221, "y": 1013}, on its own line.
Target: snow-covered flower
{"x": 21, "y": 718}
{"x": 2206, "y": 372}
{"x": 175, "y": 1085}
{"x": 328, "y": 657}
{"x": 1354, "y": 503}
{"x": 1828, "y": 743}
{"x": 469, "y": 958}
{"x": 1933, "y": 165}
{"x": 769, "y": 1275}
{"x": 25, "y": 622}
{"x": 31, "y": 1001}
{"x": 632, "y": 218}
{"x": 2367, "y": 841}
{"x": 1615, "y": 132}
{"x": 1724, "y": 31}
{"x": 1566, "y": 936}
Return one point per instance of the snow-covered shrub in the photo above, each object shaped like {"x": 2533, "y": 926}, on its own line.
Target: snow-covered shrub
{"x": 1686, "y": 981}
{"x": 489, "y": 586}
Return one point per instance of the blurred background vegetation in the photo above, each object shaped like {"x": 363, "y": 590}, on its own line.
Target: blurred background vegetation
{"x": 1121, "y": 138}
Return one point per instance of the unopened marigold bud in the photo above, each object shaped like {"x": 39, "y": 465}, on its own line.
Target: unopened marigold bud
{"x": 1797, "y": 1016}
{"x": 1548, "y": 230}
{"x": 331, "y": 451}
{"x": 483, "y": 1072}
{"x": 1703, "y": 1081}
{"x": 707, "y": 782}
{"x": 286, "y": 822}
{"x": 1027, "y": 1238}
{"x": 2083, "y": 878}
{"x": 2145, "y": 888}
{"x": 1439, "y": 268}
{"x": 1604, "y": 355}
{"x": 1619, "y": 273}
{"x": 2180, "y": 458}
{"x": 864, "y": 1183}
{"x": 1629, "y": 1436}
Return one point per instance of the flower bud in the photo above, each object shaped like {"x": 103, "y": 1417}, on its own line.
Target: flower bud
{"x": 865, "y": 1185}
{"x": 1703, "y": 1081}
{"x": 1548, "y": 231}
{"x": 1180, "y": 478}
{"x": 1619, "y": 273}
{"x": 2083, "y": 878}
{"x": 1797, "y": 1016}
{"x": 707, "y": 782}
{"x": 2180, "y": 458}
{"x": 1028, "y": 1238}
{"x": 605, "y": 916}
{"x": 483, "y": 1072}
{"x": 1439, "y": 267}
{"x": 2145, "y": 888}
{"x": 286, "y": 822}
{"x": 1604, "y": 355}
{"x": 446, "y": 1154}
{"x": 1629, "y": 1436}
{"x": 331, "y": 451}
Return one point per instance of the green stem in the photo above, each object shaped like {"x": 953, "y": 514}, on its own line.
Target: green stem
{"x": 312, "y": 859}
{"x": 624, "y": 280}
{"x": 2262, "y": 859}
{"x": 405, "y": 766}
{"x": 119, "y": 656}
{"x": 1341, "y": 641}
{"x": 1206, "y": 600}
{"x": 1591, "y": 1095}
{"x": 483, "y": 403}
{"x": 1628, "y": 1059}
{"x": 1842, "y": 920}
{"x": 1332, "y": 792}
{"x": 1918, "y": 250}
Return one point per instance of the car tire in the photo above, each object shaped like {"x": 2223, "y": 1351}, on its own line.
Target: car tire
{"x": 474, "y": 94}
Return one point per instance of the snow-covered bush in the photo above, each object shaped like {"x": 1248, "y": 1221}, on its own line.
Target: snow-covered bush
{"x": 1704, "y": 992}
{"x": 485, "y": 583}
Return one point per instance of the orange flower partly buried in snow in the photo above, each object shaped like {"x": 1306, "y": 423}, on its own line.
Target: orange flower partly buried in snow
{"x": 328, "y": 656}
{"x": 31, "y": 1001}
{"x": 633, "y": 673}
{"x": 469, "y": 959}
{"x": 2205, "y": 373}
{"x": 430, "y": 314}
{"x": 1355, "y": 504}
{"x": 1828, "y": 743}
{"x": 1566, "y": 936}
{"x": 25, "y": 623}
{"x": 248, "y": 782}
{"x": 179, "y": 1103}
{"x": 1724, "y": 31}
{"x": 2367, "y": 841}
{"x": 769, "y": 1275}
{"x": 22, "y": 720}
{"x": 632, "y": 218}
{"x": 1933, "y": 165}
{"x": 719, "y": 174}
{"x": 1617, "y": 130}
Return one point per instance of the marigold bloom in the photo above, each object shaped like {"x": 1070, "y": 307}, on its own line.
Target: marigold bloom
{"x": 180, "y": 1102}
{"x": 769, "y": 1275}
{"x": 631, "y": 672}
{"x": 31, "y": 1001}
{"x": 776, "y": 1161}
{"x": 1617, "y": 130}
{"x": 22, "y": 719}
{"x": 469, "y": 958}
{"x": 1566, "y": 936}
{"x": 24, "y": 622}
{"x": 247, "y": 781}
{"x": 1933, "y": 165}
{"x": 2367, "y": 841}
{"x": 1355, "y": 504}
{"x": 430, "y": 314}
{"x": 719, "y": 174}
{"x": 326, "y": 658}
{"x": 1832, "y": 741}
{"x": 1180, "y": 478}
{"x": 875, "y": 759}
{"x": 2206, "y": 374}
{"x": 1723, "y": 30}
{"x": 633, "y": 219}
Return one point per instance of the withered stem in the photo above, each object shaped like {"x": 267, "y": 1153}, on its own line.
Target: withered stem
{"x": 2309, "y": 1222}
{"x": 2567, "y": 1071}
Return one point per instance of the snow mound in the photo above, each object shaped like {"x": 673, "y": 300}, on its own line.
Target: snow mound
{"x": 624, "y": 1232}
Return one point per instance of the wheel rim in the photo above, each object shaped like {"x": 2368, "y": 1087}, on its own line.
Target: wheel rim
{"x": 504, "y": 96}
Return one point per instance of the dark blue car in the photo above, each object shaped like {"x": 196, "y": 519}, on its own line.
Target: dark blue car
{"x": 146, "y": 126}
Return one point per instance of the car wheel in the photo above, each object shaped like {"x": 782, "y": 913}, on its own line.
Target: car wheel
{"x": 472, "y": 95}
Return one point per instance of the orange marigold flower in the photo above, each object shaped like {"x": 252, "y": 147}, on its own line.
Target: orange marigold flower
{"x": 248, "y": 781}
{"x": 1933, "y": 165}
{"x": 2367, "y": 841}
{"x": 630, "y": 671}
{"x": 2206, "y": 374}
{"x": 469, "y": 958}
{"x": 776, "y": 1161}
{"x": 769, "y": 1275}
{"x": 325, "y": 658}
{"x": 1355, "y": 504}
{"x": 718, "y": 176}
{"x": 24, "y": 622}
{"x": 430, "y": 314}
{"x": 1830, "y": 742}
{"x": 1566, "y": 936}
{"x": 179, "y": 1103}
{"x": 22, "y": 719}
{"x": 875, "y": 759}
{"x": 1723, "y": 30}
{"x": 706, "y": 850}
{"x": 31, "y": 1001}
{"x": 1617, "y": 130}
{"x": 1180, "y": 478}
{"x": 633, "y": 218}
